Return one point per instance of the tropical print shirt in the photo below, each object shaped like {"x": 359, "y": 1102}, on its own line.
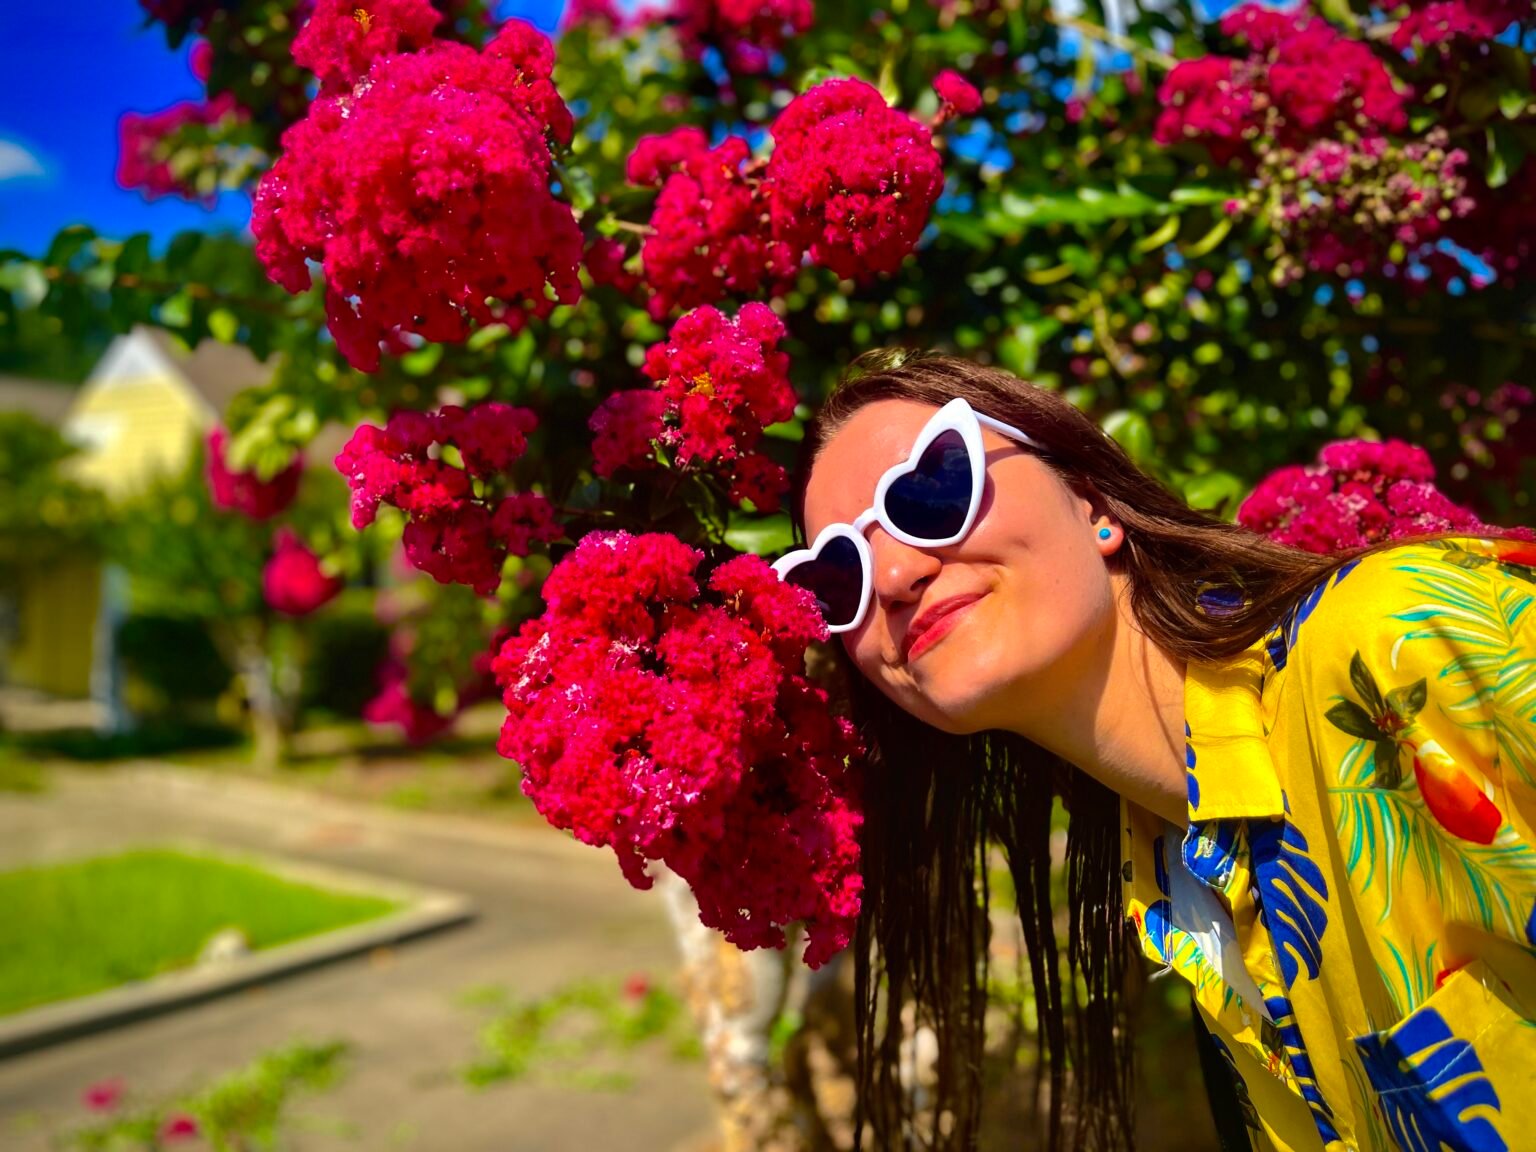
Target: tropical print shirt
{"x": 1354, "y": 898}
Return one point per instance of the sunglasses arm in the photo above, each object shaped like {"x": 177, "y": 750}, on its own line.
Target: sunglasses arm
{"x": 1008, "y": 430}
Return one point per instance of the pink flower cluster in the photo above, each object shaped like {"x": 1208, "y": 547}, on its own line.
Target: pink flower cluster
{"x": 424, "y": 193}
{"x": 460, "y": 524}
{"x": 1341, "y": 206}
{"x": 605, "y": 264}
{"x": 107, "y": 1096}
{"x": 577, "y": 12}
{"x": 197, "y": 13}
{"x": 624, "y": 429}
{"x": 851, "y": 181}
{"x": 672, "y": 722}
{"x": 293, "y": 582}
{"x": 1359, "y": 492}
{"x": 342, "y": 38}
{"x": 747, "y": 32}
{"x": 1301, "y": 80}
{"x": 957, "y": 95}
{"x": 246, "y": 492}
{"x": 711, "y": 235}
{"x": 719, "y": 382}
{"x": 394, "y": 705}
{"x": 1503, "y": 229}
{"x": 1496, "y": 428}
{"x": 1436, "y": 23}
{"x": 145, "y": 141}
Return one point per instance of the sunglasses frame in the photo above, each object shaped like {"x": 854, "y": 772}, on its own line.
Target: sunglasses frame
{"x": 956, "y": 416}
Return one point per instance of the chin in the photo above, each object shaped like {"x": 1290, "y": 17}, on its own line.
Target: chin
{"x": 960, "y": 705}
{"x": 965, "y": 690}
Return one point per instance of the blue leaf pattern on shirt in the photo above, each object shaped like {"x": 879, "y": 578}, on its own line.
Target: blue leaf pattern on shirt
{"x": 1191, "y": 781}
{"x": 1280, "y": 643}
{"x": 1284, "y": 1016}
{"x": 1291, "y": 894}
{"x": 1210, "y": 851}
{"x": 1432, "y": 1087}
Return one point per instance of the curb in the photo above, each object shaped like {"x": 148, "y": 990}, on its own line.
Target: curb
{"x": 430, "y": 910}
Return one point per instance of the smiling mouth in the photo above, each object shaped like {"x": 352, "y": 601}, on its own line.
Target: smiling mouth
{"x": 936, "y": 631}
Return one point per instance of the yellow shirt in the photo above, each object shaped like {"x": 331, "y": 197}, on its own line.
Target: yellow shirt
{"x": 1354, "y": 900}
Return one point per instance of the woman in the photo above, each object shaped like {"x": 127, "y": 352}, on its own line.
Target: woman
{"x": 1303, "y": 782}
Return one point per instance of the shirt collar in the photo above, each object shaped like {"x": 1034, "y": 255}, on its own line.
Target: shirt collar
{"x": 1229, "y": 771}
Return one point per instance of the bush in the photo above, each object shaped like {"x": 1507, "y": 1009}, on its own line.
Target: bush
{"x": 174, "y": 658}
{"x": 346, "y": 644}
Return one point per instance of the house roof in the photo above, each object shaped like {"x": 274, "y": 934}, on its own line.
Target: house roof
{"x": 44, "y": 399}
{"x": 218, "y": 371}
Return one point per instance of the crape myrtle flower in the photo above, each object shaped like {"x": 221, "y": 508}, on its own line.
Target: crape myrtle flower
{"x": 665, "y": 715}
{"x": 461, "y": 522}
{"x": 424, "y": 193}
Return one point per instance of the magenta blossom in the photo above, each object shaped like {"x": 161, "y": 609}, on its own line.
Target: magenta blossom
{"x": 293, "y": 581}
{"x": 666, "y": 716}
{"x": 1359, "y": 492}
{"x": 245, "y": 492}
{"x": 425, "y": 193}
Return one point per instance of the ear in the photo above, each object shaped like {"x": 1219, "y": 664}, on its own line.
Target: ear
{"x": 1095, "y": 513}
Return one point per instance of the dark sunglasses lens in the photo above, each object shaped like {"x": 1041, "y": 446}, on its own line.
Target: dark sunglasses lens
{"x": 834, "y": 577}
{"x": 931, "y": 501}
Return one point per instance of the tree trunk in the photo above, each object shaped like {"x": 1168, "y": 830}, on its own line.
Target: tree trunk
{"x": 736, "y": 997}
{"x": 270, "y": 713}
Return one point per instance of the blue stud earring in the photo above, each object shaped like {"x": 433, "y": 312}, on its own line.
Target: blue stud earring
{"x": 1105, "y": 533}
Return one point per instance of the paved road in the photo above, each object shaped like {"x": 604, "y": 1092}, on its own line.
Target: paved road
{"x": 550, "y": 911}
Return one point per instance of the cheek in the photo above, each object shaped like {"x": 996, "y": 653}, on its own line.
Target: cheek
{"x": 863, "y": 649}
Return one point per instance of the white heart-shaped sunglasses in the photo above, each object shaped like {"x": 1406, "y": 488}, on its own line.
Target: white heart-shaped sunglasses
{"x": 928, "y": 501}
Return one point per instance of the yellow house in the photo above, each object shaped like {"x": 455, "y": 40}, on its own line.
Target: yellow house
{"x": 140, "y": 414}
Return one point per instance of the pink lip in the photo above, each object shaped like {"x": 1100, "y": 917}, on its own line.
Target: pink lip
{"x": 931, "y": 627}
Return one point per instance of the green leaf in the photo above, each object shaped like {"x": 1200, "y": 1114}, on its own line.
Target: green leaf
{"x": 1349, "y": 717}
{"x": 1081, "y": 205}
{"x": 1339, "y": 12}
{"x": 1161, "y": 236}
{"x": 1497, "y": 172}
{"x": 1479, "y": 100}
{"x": 1365, "y": 685}
{"x": 964, "y": 228}
{"x": 1512, "y": 103}
{"x": 133, "y": 258}
{"x": 579, "y": 188}
{"x": 1019, "y": 350}
{"x": 176, "y": 311}
{"x": 760, "y": 535}
{"x": 1199, "y": 195}
{"x": 68, "y": 244}
{"x": 1208, "y": 242}
{"x": 423, "y": 360}
{"x": 1132, "y": 432}
{"x": 224, "y": 325}
{"x": 182, "y": 250}
{"x": 1506, "y": 152}
{"x": 791, "y": 430}
{"x": 1212, "y": 490}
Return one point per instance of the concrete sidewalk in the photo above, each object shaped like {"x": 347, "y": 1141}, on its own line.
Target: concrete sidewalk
{"x": 551, "y": 911}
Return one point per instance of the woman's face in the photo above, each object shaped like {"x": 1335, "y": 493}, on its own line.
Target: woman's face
{"x": 1041, "y": 611}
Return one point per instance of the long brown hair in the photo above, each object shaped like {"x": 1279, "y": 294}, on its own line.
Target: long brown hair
{"x": 942, "y": 799}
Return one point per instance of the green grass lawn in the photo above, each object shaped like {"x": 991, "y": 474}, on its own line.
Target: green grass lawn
{"x": 81, "y": 927}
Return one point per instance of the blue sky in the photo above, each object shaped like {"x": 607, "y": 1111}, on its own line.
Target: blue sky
{"x": 70, "y": 71}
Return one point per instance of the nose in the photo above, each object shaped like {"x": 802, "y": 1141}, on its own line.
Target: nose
{"x": 901, "y": 572}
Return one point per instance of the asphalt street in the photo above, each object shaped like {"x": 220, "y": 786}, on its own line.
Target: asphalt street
{"x": 550, "y": 911}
